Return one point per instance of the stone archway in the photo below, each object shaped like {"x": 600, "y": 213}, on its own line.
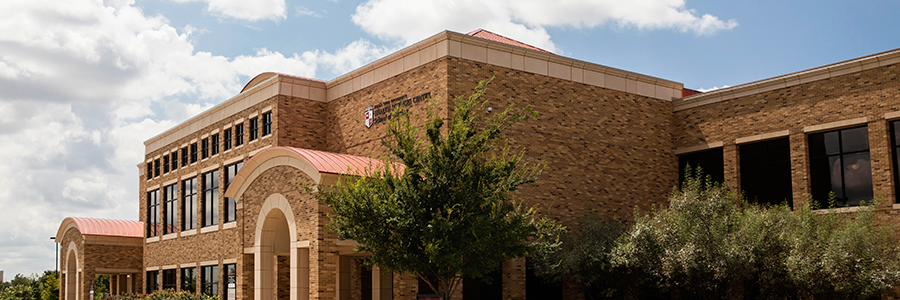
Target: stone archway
{"x": 72, "y": 274}
{"x": 278, "y": 263}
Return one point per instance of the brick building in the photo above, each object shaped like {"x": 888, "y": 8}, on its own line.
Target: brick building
{"x": 222, "y": 210}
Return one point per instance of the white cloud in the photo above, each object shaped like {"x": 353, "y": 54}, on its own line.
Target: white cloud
{"x": 302, "y": 11}
{"x": 82, "y": 86}
{"x": 526, "y": 20}
{"x": 704, "y": 90}
{"x": 255, "y": 10}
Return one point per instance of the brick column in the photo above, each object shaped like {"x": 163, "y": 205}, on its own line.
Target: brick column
{"x": 732, "y": 160}
{"x": 800, "y": 168}
{"x": 513, "y": 271}
{"x": 880, "y": 151}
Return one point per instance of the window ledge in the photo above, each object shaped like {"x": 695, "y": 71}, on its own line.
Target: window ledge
{"x": 839, "y": 210}
{"x": 230, "y": 225}
{"x": 896, "y": 206}
{"x": 169, "y": 236}
{"x": 189, "y": 232}
{"x": 153, "y": 239}
{"x": 209, "y": 228}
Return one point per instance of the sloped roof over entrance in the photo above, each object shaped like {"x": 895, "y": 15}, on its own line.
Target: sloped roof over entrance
{"x": 319, "y": 165}
{"x": 102, "y": 227}
{"x": 484, "y": 34}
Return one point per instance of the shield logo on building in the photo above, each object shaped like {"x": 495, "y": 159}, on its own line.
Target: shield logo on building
{"x": 369, "y": 117}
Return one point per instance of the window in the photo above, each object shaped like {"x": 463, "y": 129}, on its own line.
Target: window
{"x": 211, "y": 198}
{"x": 165, "y": 163}
{"x": 238, "y": 134}
{"x": 210, "y": 280}
{"x": 267, "y": 123}
{"x": 204, "y": 148}
{"x": 152, "y": 281}
{"x": 231, "y": 281}
{"x": 895, "y": 142}
{"x": 152, "y": 213}
{"x": 839, "y": 162}
{"x": 189, "y": 190}
{"x": 149, "y": 170}
{"x": 174, "y": 159}
{"x": 227, "y": 137}
{"x": 711, "y": 161}
{"x": 170, "y": 198}
{"x": 156, "y": 167}
{"x": 193, "y": 152}
{"x": 189, "y": 280}
{"x": 169, "y": 279}
{"x": 766, "y": 172}
{"x": 254, "y": 129}
{"x": 184, "y": 156}
{"x": 230, "y": 172}
{"x": 215, "y": 144}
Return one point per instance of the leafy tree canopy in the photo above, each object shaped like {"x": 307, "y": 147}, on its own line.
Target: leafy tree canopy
{"x": 439, "y": 207}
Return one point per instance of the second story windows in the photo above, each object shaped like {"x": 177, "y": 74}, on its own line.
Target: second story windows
{"x": 165, "y": 163}
{"x": 174, "y": 159}
{"x": 189, "y": 190}
{"x": 204, "y": 148}
{"x": 214, "y": 140}
{"x": 170, "y": 198}
{"x": 267, "y": 123}
{"x": 227, "y": 139}
{"x": 254, "y": 129}
{"x": 149, "y": 170}
{"x": 211, "y": 198}
{"x": 156, "y": 167}
{"x": 193, "y": 152}
{"x": 184, "y": 156}
{"x": 153, "y": 213}
{"x": 238, "y": 134}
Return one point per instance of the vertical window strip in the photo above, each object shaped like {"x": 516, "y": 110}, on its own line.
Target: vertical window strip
{"x": 211, "y": 198}
{"x": 153, "y": 213}
{"x": 189, "y": 213}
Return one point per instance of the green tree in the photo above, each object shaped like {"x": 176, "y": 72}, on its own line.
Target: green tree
{"x": 49, "y": 285}
{"x": 445, "y": 213}
{"x": 21, "y": 287}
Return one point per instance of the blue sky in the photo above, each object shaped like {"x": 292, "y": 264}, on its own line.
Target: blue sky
{"x": 84, "y": 82}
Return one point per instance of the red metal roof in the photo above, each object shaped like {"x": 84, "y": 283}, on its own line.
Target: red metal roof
{"x": 688, "y": 92}
{"x": 264, "y": 76}
{"x": 107, "y": 227}
{"x": 484, "y": 34}
{"x": 334, "y": 163}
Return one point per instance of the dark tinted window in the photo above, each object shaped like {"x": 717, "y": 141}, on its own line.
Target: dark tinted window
{"x": 153, "y": 213}
{"x": 839, "y": 162}
{"x": 189, "y": 279}
{"x": 766, "y": 172}
{"x": 211, "y": 198}
{"x": 189, "y": 192}
{"x": 711, "y": 161}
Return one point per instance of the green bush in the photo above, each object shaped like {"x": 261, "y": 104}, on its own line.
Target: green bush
{"x": 165, "y": 295}
{"x": 709, "y": 243}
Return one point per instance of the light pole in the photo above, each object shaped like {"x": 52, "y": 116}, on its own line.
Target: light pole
{"x": 57, "y": 255}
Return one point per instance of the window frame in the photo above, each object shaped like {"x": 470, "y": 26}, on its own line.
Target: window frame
{"x": 841, "y": 199}
{"x": 238, "y": 135}
{"x": 214, "y": 141}
{"x": 226, "y": 139}
{"x": 170, "y": 211}
{"x": 254, "y": 128}
{"x": 207, "y": 286}
{"x": 174, "y": 160}
{"x": 152, "y": 280}
{"x": 153, "y": 213}
{"x": 211, "y": 198}
{"x": 204, "y": 148}
{"x": 189, "y": 286}
{"x": 184, "y": 156}
{"x": 267, "y": 123}
{"x": 193, "y": 152}
{"x": 230, "y": 204}
{"x": 189, "y": 203}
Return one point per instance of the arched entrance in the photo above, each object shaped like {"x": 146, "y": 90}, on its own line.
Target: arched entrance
{"x": 278, "y": 265}
{"x": 72, "y": 273}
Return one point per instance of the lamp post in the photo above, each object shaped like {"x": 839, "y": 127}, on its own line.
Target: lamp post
{"x": 57, "y": 255}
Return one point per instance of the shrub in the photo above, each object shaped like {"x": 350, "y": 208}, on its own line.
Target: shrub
{"x": 165, "y": 295}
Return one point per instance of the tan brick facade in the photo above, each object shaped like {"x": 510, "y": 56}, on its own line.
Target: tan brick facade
{"x": 610, "y": 140}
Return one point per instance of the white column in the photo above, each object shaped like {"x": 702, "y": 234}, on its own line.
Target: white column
{"x": 300, "y": 274}
{"x": 264, "y": 265}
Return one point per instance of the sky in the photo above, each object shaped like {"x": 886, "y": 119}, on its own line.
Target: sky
{"x": 84, "y": 82}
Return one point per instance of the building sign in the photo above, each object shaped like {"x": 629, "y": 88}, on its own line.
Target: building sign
{"x": 383, "y": 111}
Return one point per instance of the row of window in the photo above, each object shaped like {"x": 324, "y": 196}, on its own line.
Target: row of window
{"x": 231, "y": 137}
{"x": 209, "y": 280}
{"x": 189, "y": 200}
{"x": 839, "y": 166}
